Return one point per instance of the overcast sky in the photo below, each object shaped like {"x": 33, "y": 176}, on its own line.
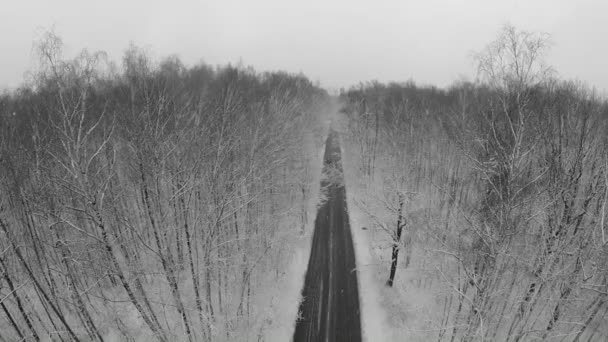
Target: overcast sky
{"x": 338, "y": 43}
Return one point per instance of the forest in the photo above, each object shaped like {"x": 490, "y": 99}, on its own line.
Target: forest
{"x": 150, "y": 200}
{"x": 489, "y": 197}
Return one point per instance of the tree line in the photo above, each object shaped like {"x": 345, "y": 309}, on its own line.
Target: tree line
{"x": 496, "y": 189}
{"x": 148, "y": 199}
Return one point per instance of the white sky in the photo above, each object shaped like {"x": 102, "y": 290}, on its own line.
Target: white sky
{"x": 338, "y": 43}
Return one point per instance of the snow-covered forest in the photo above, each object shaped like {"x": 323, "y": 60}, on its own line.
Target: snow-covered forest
{"x": 146, "y": 200}
{"x": 488, "y": 199}
{"x": 150, "y": 200}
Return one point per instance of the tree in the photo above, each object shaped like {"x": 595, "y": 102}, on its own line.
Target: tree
{"x": 147, "y": 202}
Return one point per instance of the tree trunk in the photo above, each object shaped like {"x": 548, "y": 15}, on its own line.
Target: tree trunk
{"x": 396, "y": 240}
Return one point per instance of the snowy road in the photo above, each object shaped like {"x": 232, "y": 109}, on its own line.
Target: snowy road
{"x": 330, "y": 300}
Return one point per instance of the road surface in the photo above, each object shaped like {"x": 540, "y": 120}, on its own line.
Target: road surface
{"x": 330, "y": 298}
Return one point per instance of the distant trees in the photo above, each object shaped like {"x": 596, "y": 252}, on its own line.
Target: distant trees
{"x": 506, "y": 179}
{"x": 147, "y": 202}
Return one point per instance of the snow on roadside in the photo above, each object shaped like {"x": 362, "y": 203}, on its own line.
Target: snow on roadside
{"x": 373, "y": 316}
{"x": 404, "y": 311}
{"x": 285, "y": 301}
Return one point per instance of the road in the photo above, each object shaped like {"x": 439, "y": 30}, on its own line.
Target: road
{"x": 329, "y": 310}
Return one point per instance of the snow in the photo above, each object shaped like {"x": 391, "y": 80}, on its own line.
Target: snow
{"x": 404, "y": 311}
{"x": 387, "y": 314}
{"x": 285, "y": 297}
{"x": 373, "y": 317}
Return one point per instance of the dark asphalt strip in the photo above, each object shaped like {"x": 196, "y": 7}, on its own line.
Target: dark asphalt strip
{"x": 329, "y": 310}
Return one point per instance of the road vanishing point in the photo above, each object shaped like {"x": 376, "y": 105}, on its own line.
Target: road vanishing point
{"x": 329, "y": 310}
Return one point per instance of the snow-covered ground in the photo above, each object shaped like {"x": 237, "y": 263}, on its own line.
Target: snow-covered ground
{"x": 403, "y": 312}
{"x": 284, "y": 298}
{"x": 398, "y": 313}
{"x": 373, "y": 316}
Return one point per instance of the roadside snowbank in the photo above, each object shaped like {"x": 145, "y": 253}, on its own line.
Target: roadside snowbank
{"x": 404, "y": 311}
{"x": 284, "y": 298}
{"x": 373, "y": 316}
